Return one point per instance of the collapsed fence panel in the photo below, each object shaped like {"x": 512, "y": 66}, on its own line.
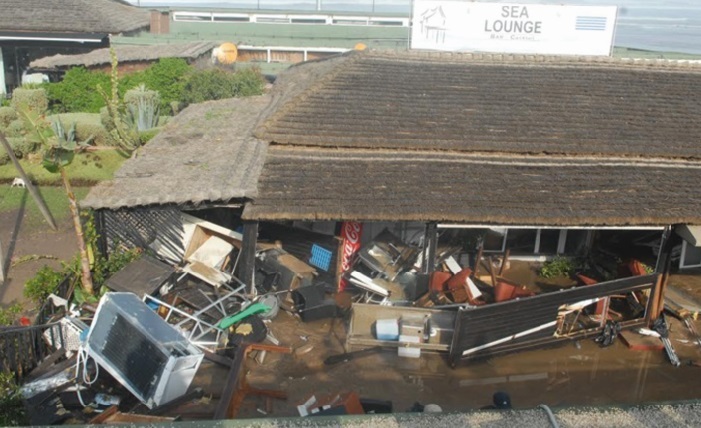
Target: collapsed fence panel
{"x": 502, "y": 327}
{"x": 159, "y": 229}
{"x": 23, "y": 348}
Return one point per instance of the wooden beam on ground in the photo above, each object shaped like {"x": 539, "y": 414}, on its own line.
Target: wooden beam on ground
{"x": 231, "y": 385}
{"x": 28, "y": 183}
{"x": 236, "y": 387}
{"x": 217, "y": 359}
{"x": 102, "y": 417}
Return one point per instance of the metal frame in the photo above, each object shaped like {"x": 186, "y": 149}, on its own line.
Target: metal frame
{"x": 200, "y": 328}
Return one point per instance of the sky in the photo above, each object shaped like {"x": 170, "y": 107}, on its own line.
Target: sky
{"x": 659, "y": 25}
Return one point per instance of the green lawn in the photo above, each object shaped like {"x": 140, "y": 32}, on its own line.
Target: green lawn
{"x": 12, "y": 198}
{"x": 87, "y": 168}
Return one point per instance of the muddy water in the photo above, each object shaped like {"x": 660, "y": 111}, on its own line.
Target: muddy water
{"x": 574, "y": 374}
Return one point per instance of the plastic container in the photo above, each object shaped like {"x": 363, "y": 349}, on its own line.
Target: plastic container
{"x": 387, "y": 329}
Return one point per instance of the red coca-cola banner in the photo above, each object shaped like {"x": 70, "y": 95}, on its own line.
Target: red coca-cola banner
{"x": 350, "y": 233}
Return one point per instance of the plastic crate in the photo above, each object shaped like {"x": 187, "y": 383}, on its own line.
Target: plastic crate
{"x": 321, "y": 258}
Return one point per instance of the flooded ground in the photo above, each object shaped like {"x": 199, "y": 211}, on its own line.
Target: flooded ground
{"x": 573, "y": 374}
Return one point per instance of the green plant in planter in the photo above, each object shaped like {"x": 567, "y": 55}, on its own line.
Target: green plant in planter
{"x": 559, "y": 266}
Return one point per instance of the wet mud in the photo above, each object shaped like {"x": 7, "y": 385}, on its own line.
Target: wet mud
{"x": 573, "y": 374}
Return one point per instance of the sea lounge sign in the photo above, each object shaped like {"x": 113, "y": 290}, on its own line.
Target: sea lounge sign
{"x": 512, "y": 28}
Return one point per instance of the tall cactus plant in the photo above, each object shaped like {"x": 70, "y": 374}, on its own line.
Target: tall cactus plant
{"x": 122, "y": 132}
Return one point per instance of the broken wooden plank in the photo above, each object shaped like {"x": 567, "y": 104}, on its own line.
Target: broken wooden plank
{"x": 231, "y": 385}
{"x": 639, "y": 342}
{"x": 173, "y": 404}
{"x": 102, "y": 417}
{"x": 45, "y": 365}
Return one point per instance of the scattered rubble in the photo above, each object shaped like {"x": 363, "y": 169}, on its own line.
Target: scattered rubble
{"x": 134, "y": 356}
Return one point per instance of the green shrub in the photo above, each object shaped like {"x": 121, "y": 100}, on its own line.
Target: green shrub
{"x": 141, "y": 93}
{"x": 100, "y": 136}
{"x": 33, "y": 99}
{"x": 9, "y": 315}
{"x": 216, "y": 84}
{"x": 4, "y": 158}
{"x": 86, "y": 125}
{"x": 77, "y": 92}
{"x": 167, "y": 76}
{"x": 45, "y": 282}
{"x": 147, "y": 135}
{"x": 15, "y": 129}
{"x": 12, "y": 411}
{"x": 21, "y": 147}
{"x": 106, "y": 119}
{"x": 7, "y": 115}
{"x": 143, "y": 107}
{"x": 559, "y": 266}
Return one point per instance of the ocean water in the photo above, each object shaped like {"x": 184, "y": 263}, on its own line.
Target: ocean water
{"x": 657, "y": 25}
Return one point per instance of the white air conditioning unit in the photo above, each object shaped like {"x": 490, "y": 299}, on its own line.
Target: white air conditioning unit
{"x": 140, "y": 350}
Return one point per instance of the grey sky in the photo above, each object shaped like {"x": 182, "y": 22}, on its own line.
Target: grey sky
{"x": 662, "y": 25}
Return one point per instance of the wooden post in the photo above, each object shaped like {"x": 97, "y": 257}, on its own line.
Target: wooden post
{"x": 99, "y": 217}
{"x": 664, "y": 263}
{"x": 2, "y": 265}
{"x": 28, "y": 183}
{"x": 478, "y": 259}
{"x": 430, "y": 239}
{"x": 248, "y": 254}
{"x": 493, "y": 274}
{"x": 504, "y": 261}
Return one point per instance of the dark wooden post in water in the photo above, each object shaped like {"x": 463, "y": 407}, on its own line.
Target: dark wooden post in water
{"x": 664, "y": 264}
{"x": 30, "y": 187}
{"x": 430, "y": 238}
{"x": 248, "y": 254}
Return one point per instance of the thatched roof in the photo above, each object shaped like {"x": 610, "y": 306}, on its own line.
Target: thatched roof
{"x": 71, "y": 16}
{"x": 125, "y": 54}
{"x": 443, "y": 137}
{"x": 376, "y": 185}
{"x": 205, "y": 154}
{"x": 483, "y": 139}
{"x": 496, "y": 103}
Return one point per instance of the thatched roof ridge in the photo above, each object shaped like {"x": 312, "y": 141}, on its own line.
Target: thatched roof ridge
{"x": 125, "y": 53}
{"x": 393, "y": 185}
{"x": 72, "y": 16}
{"x": 298, "y": 80}
{"x": 491, "y": 102}
{"x": 206, "y": 154}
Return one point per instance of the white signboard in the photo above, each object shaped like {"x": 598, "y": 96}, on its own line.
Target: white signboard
{"x": 512, "y": 28}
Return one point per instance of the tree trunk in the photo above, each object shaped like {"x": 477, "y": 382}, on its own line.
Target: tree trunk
{"x": 85, "y": 277}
